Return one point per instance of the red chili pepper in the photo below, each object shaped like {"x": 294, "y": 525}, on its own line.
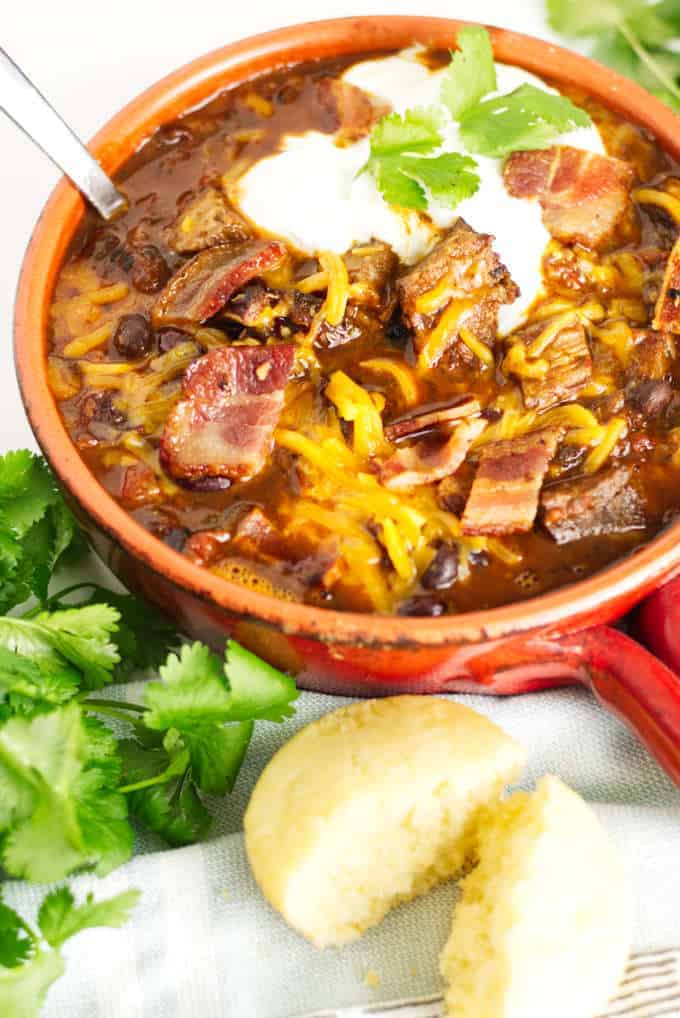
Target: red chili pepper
{"x": 657, "y": 624}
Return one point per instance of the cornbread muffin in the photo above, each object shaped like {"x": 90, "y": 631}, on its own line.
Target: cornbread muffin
{"x": 544, "y": 923}
{"x": 370, "y": 806}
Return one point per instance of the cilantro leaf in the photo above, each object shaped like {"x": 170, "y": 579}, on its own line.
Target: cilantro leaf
{"x": 36, "y": 528}
{"x": 216, "y": 755}
{"x": 193, "y": 691}
{"x": 669, "y": 12}
{"x": 471, "y": 73}
{"x": 418, "y": 130}
{"x": 528, "y": 118}
{"x": 396, "y": 188}
{"x": 26, "y": 490}
{"x": 142, "y": 635}
{"x": 398, "y": 144}
{"x": 60, "y": 918}
{"x": 27, "y": 967}
{"x": 630, "y": 36}
{"x": 16, "y": 941}
{"x": 589, "y": 18}
{"x": 35, "y": 683}
{"x": 23, "y": 988}
{"x": 57, "y": 806}
{"x": 448, "y": 178}
{"x": 80, "y": 636}
{"x": 258, "y": 690}
{"x": 172, "y": 809}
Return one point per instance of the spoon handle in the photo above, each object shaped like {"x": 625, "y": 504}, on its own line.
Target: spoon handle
{"x": 28, "y": 108}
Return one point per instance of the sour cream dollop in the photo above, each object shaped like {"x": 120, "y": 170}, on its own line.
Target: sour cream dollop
{"x": 310, "y": 194}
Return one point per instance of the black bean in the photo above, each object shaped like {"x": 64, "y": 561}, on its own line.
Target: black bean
{"x": 442, "y": 570}
{"x": 422, "y": 607}
{"x": 478, "y": 558}
{"x": 150, "y": 271}
{"x": 133, "y": 337}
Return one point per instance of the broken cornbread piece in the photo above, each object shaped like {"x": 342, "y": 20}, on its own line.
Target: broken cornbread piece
{"x": 370, "y": 806}
{"x": 544, "y": 923}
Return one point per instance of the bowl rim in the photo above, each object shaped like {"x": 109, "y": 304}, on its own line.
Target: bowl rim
{"x": 570, "y": 607}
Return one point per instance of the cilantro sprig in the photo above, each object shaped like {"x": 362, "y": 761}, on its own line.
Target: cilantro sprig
{"x": 631, "y": 36}
{"x": 407, "y": 160}
{"x": 78, "y": 766}
{"x": 31, "y": 959}
{"x": 526, "y": 118}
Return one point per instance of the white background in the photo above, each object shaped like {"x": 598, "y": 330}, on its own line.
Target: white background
{"x": 90, "y": 57}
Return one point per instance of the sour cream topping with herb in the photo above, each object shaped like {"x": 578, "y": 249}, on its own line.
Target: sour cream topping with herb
{"x": 312, "y": 193}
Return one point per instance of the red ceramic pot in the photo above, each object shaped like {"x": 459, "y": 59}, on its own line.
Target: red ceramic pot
{"x": 521, "y": 647}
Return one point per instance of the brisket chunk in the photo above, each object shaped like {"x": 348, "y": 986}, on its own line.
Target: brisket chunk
{"x": 207, "y": 220}
{"x": 222, "y": 428}
{"x": 583, "y": 195}
{"x": 651, "y": 357}
{"x": 374, "y": 272}
{"x": 650, "y": 398}
{"x": 205, "y": 283}
{"x": 463, "y": 267}
{"x": 570, "y": 366}
{"x": 504, "y": 495}
{"x": 592, "y": 506}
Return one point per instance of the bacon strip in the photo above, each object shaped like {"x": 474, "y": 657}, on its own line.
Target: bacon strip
{"x": 583, "y": 195}
{"x": 205, "y": 283}
{"x": 423, "y": 464}
{"x": 504, "y": 495}
{"x": 435, "y": 416}
{"x": 222, "y": 429}
{"x": 667, "y": 310}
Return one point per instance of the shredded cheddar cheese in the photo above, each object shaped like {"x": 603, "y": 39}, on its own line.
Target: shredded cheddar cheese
{"x": 441, "y": 335}
{"x": 400, "y": 373}
{"x": 109, "y": 294}
{"x": 479, "y": 349}
{"x": 355, "y": 404}
{"x": 337, "y": 294}
{"x": 92, "y": 341}
{"x": 613, "y": 432}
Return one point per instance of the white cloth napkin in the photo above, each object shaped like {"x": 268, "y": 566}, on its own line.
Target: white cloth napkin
{"x": 203, "y": 942}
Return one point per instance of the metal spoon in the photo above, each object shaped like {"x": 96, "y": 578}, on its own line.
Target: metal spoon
{"x": 28, "y": 108}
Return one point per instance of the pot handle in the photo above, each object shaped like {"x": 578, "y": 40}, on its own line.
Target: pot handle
{"x": 636, "y": 686}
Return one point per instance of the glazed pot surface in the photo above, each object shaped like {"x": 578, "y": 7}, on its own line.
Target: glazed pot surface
{"x": 330, "y": 650}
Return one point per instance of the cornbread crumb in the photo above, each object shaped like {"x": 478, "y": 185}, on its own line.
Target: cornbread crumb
{"x": 370, "y": 806}
{"x": 372, "y": 979}
{"x": 544, "y": 923}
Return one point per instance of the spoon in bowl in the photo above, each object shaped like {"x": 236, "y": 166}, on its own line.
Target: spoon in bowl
{"x": 28, "y": 108}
